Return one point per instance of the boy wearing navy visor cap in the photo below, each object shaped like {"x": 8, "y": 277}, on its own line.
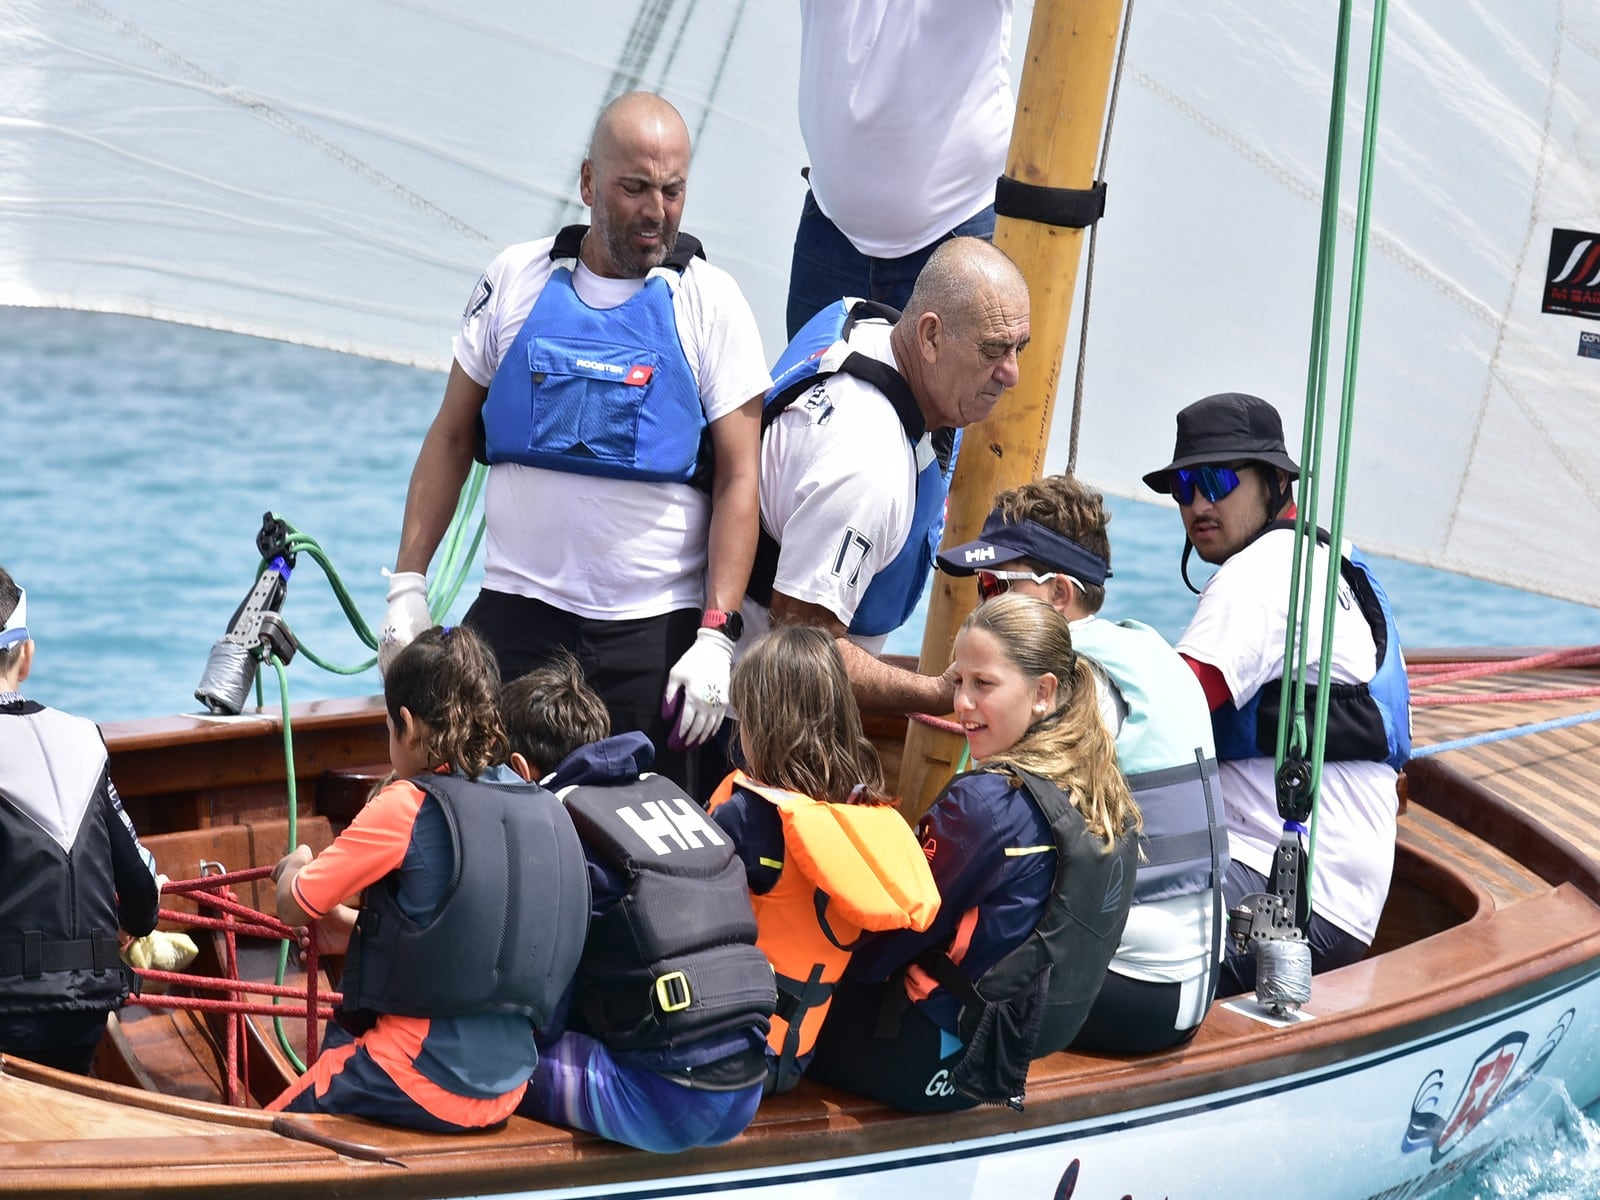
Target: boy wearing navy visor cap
{"x": 1048, "y": 539}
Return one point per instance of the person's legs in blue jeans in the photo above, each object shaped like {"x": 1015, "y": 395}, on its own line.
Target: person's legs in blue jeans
{"x": 578, "y": 1084}
{"x": 827, "y": 267}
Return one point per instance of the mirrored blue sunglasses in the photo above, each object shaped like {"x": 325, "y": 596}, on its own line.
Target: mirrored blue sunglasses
{"x": 1212, "y": 482}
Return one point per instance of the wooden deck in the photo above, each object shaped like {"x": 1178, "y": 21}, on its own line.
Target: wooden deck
{"x": 1552, "y": 776}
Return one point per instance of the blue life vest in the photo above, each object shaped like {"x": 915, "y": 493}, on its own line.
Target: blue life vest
{"x": 1367, "y": 722}
{"x": 819, "y": 350}
{"x": 599, "y": 391}
{"x": 1165, "y": 751}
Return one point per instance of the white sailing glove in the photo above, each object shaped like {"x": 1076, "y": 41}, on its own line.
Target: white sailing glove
{"x": 699, "y": 680}
{"x": 406, "y": 616}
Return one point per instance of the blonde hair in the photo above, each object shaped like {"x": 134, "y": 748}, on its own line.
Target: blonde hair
{"x": 450, "y": 682}
{"x": 1070, "y": 745}
{"x": 799, "y": 718}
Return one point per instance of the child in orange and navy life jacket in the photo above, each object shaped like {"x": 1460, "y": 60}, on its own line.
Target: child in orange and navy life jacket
{"x": 659, "y": 1043}
{"x": 473, "y": 915}
{"x": 826, "y": 854}
{"x": 1034, "y": 853}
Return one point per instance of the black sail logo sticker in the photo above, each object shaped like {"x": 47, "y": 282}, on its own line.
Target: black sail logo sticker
{"x": 1572, "y": 279}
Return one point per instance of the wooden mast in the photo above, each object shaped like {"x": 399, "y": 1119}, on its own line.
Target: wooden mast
{"x": 1055, "y": 142}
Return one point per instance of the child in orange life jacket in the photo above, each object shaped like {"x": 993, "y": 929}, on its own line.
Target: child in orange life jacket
{"x": 659, "y": 1043}
{"x": 1034, "y": 853}
{"x": 825, "y": 853}
{"x": 473, "y": 917}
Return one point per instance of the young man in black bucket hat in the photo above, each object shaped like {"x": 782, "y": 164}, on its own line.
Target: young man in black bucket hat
{"x": 1232, "y": 479}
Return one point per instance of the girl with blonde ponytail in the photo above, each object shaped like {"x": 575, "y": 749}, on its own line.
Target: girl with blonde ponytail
{"x": 1034, "y": 854}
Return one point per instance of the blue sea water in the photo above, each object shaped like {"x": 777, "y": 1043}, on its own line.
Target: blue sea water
{"x": 138, "y": 459}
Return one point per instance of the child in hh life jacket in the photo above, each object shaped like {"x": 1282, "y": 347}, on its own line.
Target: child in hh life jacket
{"x": 474, "y": 909}
{"x": 659, "y": 1042}
{"x": 826, "y": 855}
{"x": 1034, "y": 854}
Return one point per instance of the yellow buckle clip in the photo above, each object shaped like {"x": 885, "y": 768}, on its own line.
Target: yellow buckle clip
{"x": 672, "y": 992}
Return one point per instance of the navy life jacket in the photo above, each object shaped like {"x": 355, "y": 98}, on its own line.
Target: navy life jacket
{"x": 819, "y": 350}
{"x": 600, "y": 391}
{"x": 674, "y": 960}
{"x": 58, "y": 912}
{"x": 1034, "y": 1001}
{"x": 1164, "y": 750}
{"x": 1367, "y": 722}
{"x": 508, "y": 930}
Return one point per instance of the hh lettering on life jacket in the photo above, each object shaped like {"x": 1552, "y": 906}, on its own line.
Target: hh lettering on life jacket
{"x": 677, "y": 821}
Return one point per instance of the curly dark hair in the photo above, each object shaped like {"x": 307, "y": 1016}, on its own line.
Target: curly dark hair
{"x": 449, "y": 681}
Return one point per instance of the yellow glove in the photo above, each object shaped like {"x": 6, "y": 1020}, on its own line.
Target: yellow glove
{"x": 160, "y": 951}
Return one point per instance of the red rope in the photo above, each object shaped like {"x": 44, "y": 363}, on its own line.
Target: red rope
{"x": 1504, "y": 697}
{"x": 1428, "y": 674}
{"x": 232, "y": 1007}
{"x": 214, "y": 892}
{"x": 270, "y": 931}
{"x": 940, "y": 723}
{"x": 234, "y": 985}
{"x": 208, "y": 882}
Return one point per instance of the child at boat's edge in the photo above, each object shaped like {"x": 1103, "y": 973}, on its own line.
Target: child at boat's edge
{"x": 659, "y": 1043}
{"x": 444, "y": 983}
{"x": 826, "y": 854}
{"x": 73, "y": 867}
{"x": 1034, "y": 854}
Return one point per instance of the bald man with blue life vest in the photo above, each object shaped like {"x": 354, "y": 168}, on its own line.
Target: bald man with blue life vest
{"x": 611, "y": 378}
{"x": 853, "y": 471}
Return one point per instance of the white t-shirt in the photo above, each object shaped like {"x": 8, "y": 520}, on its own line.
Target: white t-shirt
{"x": 1238, "y": 628}
{"x": 905, "y": 107}
{"x": 838, "y": 490}
{"x": 606, "y": 549}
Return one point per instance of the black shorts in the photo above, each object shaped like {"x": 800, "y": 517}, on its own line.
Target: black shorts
{"x": 901, "y": 1066}
{"x": 626, "y": 662}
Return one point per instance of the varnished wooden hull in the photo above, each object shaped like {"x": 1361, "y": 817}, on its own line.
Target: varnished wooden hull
{"x": 1483, "y": 995}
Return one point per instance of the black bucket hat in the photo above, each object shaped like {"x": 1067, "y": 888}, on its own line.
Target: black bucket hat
{"x": 1227, "y": 427}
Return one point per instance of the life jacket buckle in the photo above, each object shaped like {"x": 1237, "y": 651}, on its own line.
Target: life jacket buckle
{"x": 672, "y": 992}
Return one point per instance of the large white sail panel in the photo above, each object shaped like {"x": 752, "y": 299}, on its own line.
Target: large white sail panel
{"x": 1477, "y": 436}
{"x": 338, "y": 174}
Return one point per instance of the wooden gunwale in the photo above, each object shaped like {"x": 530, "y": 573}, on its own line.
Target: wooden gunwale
{"x": 1515, "y": 939}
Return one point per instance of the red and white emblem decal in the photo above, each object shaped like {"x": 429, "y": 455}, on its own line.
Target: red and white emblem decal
{"x": 639, "y": 376}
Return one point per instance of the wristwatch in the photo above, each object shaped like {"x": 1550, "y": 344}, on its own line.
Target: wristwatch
{"x": 729, "y": 622}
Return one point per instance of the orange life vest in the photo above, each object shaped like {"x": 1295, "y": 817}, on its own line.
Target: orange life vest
{"x": 848, "y": 869}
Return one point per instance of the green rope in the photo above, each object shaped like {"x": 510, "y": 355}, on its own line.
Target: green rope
{"x": 294, "y": 840}
{"x": 459, "y": 554}
{"x": 1293, "y": 735}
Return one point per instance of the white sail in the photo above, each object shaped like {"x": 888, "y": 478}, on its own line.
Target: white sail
{"x": 337, "y": 174}
{"x": 1476, "y": 443}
